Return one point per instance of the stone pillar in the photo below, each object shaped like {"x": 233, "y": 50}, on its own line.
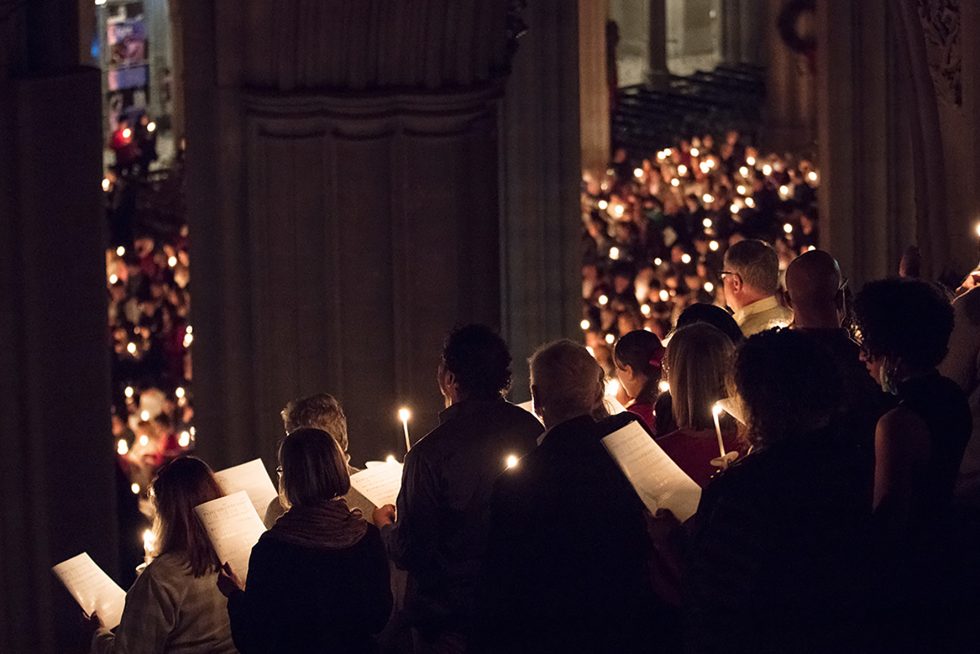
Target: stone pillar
{"x": 659, "y": 74}
{"x": 540, "y": 175}
{"x": 790, "y": 102}
{"x": 342, "y": 161}
{"x": 594, "y": 101}
{"x": 57, "y": 469}
{"x": 867, "y": 206}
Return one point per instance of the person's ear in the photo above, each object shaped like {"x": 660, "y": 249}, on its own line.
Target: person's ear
{"x": 736, "y": 283}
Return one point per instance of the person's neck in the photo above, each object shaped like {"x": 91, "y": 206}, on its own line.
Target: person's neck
{"x": 750, "y": 297}
{"x": 815, "y": 319}
{"x": 553, "y": 420}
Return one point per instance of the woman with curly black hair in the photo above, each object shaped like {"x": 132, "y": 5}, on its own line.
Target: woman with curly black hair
{"x": 904, "y": 329}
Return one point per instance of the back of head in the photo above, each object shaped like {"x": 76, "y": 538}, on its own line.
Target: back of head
{"x": 480, "y": 361}
{"x": 756, "y": 263}
{"x": 314, "y": 470}
{"x": 714, "y": 316}
{"x": 178, "y": 487}
{"x": 789, "y": 385}
{"x": 905, "y": 319}
{"x": 698, "y": 360}
{"x": 813, "y": 282}
{"x": 320, "y": 411}
{"x": 644, "y": 353}
{"x": 567, "y": 381}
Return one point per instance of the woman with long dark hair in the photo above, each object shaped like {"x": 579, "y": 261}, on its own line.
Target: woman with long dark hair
{"x": 174, "y": 605}
{"x": 639, "y": 361}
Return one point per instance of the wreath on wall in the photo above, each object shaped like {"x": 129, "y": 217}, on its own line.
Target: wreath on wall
{"x": 789, "y": 21}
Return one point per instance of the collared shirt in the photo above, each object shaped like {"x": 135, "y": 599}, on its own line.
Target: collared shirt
{"x": 762, "y": 315}
{"x": 443, "y": 506}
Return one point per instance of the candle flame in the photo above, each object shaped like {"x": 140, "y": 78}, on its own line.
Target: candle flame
{"x": 404, "y": 414}
{"x": 511, "y": 461}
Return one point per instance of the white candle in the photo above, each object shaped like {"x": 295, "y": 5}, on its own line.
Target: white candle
{"x": 404, "y": 414}
{"x": 716, "y": 414}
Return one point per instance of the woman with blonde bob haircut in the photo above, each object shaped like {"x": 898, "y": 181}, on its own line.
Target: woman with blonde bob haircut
{"x": 318, "y": 580}
{"x": 174, "y": 605}
{"x": 697, "y": 363}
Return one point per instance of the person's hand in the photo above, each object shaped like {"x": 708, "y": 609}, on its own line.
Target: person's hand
{"x": 228, "y": 581}
{"x": 91, "y": 624}
{"x": 383, "y": 516}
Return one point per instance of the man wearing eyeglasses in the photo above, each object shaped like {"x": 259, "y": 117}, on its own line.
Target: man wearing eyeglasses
{"x": 751, "y": 280}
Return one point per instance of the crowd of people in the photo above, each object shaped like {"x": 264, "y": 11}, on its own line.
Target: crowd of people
{"x": 149, "y": 333}
{"x": 656, "y": 229}
{"x": 837, "y": 524}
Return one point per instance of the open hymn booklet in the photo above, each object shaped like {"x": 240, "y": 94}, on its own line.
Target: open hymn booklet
{"x": 380, "y": 482}
{"x": 92, "y": 588}
{"x": 233, "y": 527}
{"x": 252, "y": 478}
{"x": 659, "y": 482}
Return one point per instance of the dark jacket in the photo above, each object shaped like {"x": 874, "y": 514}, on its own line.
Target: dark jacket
{"x": 301, "y": 599}
{"x": 778, "y": 560}
{"x": 567, "y": 560}
{"x": 441, "y": 532}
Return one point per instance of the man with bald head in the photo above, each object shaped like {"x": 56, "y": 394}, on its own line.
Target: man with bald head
{"x": 815, "y": 292}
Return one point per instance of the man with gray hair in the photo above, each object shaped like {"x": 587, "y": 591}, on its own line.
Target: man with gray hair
{"x": 751, "y": 280}
{"x": 320, "y": 411}
{"x": 567, "y": 554}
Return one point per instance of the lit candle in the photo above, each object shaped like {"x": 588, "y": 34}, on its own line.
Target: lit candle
{"x": 122, "y": 447}
{"x": 585, "y": 324}
{"x": 151, "y": 127}
{"x": 106, "y": 184}
{"x": 391, "y": 459}
{"x": 709, "y": 287}
{"x": 511, "y": 461}
{"x": 713, "y": 246}
{"x": 663, "y": 386}
{"x": 120, "y": 251}
{"x": 404, "y": 414}
{"x": 184, "y": 439}
{"x": 716, "y": 414}
{"x": 637, "y": 172}
{"x": 685, "y": 258}
{"x": 135, "y": 488}
{"x": 610, "y": 339}
{"x": 149, "y": 545}
{"x": 707, "y": 223}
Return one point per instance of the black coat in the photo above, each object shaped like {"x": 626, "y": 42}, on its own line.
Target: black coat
{"x": 567, "y": 561}
{"x": 301, "y": 599}
{"x": 779, "y": 556}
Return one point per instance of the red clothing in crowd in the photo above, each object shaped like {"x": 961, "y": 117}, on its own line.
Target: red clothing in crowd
{"x": 645, "y": 411}
{"x": 693, "y": 451}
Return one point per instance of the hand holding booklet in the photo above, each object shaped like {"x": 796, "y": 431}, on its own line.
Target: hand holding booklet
{"x": 252, "y": 478}
{"x": 233, "y": 527}
{"x": 92, "y": 588}
{"x": 380, "y": 483}
{"x": 659, "y": 482}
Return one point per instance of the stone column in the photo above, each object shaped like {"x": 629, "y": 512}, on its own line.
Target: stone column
{"x": 867, "y": 206}
{"x": 540, "y": 175}
{"x": 659, "y": 73}
{"x": 342, "y": 161}
{"x": 593, "y": 85}
{"x": 57, "y": 469}
{"x": 790, "y": 104}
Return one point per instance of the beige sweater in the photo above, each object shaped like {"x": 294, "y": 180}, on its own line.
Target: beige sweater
{"x": 168, "y": 610}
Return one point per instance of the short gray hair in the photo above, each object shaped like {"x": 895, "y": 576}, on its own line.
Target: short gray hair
{"x": 756, "y": 263}
{"x": 568, "y": 379}
{"x": 321, "y": 411}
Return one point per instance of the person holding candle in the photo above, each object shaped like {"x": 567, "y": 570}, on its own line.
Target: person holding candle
{"x": 751, "y": 281}
{"x": 697, "y": 361}
{"x": 639, "y": 361}
{"x": 174, "y": 605}
{"x": 567, "y": 559}
{"x": 777, "y": 559}
{"x": 318, "y": 580}
{"x": 442, "y": 517}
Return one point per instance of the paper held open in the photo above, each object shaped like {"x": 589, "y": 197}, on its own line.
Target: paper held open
{"x": 233, "y": 527}
{"x": 380, "y": 484}
{"x": 252, "y": 478}
{"x": 92, "y": 588}
{"x": 659, "y": 482}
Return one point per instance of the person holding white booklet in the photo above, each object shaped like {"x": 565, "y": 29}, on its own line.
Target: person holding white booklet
{"x": 174, "y": 605}
{"x": 318, "y": 580}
